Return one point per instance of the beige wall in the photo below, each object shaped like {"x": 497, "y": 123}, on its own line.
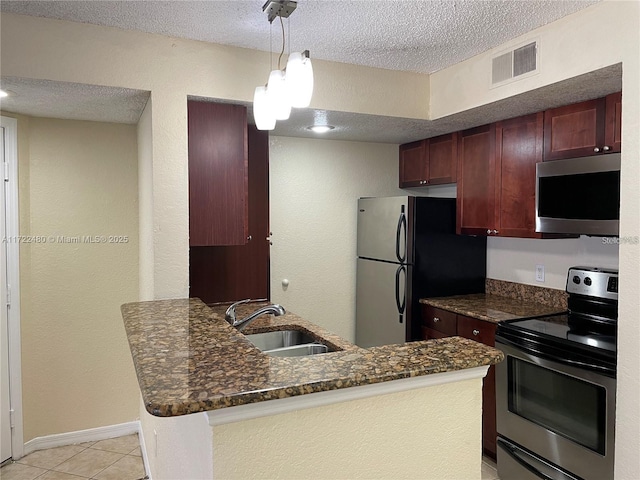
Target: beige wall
{"x": 76, "y": 178}
{"x": 515, "y": 259}
{"x": 314, "y": 188}
{"x": 430, "y": 433}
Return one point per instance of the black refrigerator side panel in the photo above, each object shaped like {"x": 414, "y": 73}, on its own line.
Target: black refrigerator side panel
{"x": 434, "y": 216}
{"x": 445, "y": 265}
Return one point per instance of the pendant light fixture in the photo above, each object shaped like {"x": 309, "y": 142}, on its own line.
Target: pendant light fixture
{"x": 291, "y": 87}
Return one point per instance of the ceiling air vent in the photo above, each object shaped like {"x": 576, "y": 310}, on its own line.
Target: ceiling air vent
{"x": 514, "y": 63}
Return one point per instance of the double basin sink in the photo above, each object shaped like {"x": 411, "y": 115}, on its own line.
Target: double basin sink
{"x": 287, "y": 343}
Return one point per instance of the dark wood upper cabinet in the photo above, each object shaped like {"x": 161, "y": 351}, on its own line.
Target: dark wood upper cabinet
{"x": 218, "y": 178}
{"x": 583, "y": 129}
{"x": 613, "y": 121}
{"x": 413, "y": 168}
{"x": 476, "y": 181}
{"x": 497, "y": 172}
{"x": 229, "y": 273}
{"x": 442, "y": 159}
{"x": 518, "y": 149}
{"x": 432, "y": 161}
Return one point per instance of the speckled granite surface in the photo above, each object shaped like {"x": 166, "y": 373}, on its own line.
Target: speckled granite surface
{"x": 492, "y": 308}
{"x": 527, "y": 293}
{"x": 189, "y": 359}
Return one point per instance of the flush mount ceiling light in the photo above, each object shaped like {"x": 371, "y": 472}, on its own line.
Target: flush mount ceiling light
{"x": 3, "y": 93}
{"x": 288, "y": 87}
{"x": 321, "y": 128}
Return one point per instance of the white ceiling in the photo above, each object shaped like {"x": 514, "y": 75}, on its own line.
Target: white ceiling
{"x": 413, "y": 35}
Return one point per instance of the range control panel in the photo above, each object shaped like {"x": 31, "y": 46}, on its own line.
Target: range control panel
{"x": 593, "y": 282}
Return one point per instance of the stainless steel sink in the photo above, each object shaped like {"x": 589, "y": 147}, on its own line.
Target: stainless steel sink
{"x": 287, "y": 343}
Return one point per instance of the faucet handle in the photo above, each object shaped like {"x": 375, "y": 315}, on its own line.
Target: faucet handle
{"x": 230, "y": 314}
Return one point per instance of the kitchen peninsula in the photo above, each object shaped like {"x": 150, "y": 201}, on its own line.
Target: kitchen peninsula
{"x": 218, "y": 407}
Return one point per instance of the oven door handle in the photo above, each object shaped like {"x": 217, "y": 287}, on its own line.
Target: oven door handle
{"x": 553, "y": 358}
{"x": 512, "y": 452}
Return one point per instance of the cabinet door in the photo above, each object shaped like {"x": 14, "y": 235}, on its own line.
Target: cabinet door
{"x": 574, "y": 130}
{"x": 476, "y": 181}
{"x": 484, "y": 332}
{"x": 439, "y": 320}
{"x": 518, "y": 149}
{"x": 442, "y": 159}
{"x": 613, "y": 122}
{"x": 229, "y": 273}
{"x": 430, "y": 334}
{"x": 218, "y": 183}
{"x": 413, "y": 167}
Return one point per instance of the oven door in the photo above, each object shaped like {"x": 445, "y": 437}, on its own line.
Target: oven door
{"x": 560, "y": 413}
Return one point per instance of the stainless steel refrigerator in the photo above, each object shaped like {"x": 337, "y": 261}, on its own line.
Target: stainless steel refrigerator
{"x": 407, "y": 250}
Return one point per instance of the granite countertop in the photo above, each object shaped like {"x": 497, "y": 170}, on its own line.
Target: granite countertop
{"x": 189, "y": 359}
{"x": 492, "y": 308}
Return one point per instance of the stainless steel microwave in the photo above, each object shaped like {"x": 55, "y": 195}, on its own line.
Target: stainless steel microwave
{"x": 579, "y": 195}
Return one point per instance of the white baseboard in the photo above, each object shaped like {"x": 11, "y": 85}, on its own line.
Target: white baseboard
{"x": 143, "y": 449}
{"x": 81, "y": 436}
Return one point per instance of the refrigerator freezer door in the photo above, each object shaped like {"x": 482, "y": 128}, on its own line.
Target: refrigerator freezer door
{"x": 382, "y": 229}
{"x": 381, "y": 302}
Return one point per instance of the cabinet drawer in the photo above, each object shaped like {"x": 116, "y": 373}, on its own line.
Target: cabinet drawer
{"x": 478, "y": 330}
{"x": 429, "y": 334}
{"x": 440, "y": 320}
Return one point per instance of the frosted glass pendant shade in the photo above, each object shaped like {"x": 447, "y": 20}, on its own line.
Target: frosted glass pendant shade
{"x": 299, "y": 80}
{"x": 278, "y": 95}
{"x": 262, "y": 110}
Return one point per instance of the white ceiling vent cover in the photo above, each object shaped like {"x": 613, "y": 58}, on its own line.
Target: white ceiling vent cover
{"x": 514, "y": 63}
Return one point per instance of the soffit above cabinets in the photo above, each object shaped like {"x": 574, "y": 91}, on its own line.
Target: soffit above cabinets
{"x": 43, "y": 98}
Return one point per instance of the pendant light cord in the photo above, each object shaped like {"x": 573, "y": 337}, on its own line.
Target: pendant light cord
{"x": 282, "y": 51}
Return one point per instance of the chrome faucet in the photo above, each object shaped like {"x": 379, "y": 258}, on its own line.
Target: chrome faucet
{"x": 230, "y": 314}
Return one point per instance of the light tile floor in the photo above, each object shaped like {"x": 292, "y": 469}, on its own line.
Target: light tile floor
{"x": 112, "y": 459}
{"x": 489, "y": 471}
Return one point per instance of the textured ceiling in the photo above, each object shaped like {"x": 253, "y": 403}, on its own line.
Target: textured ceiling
{"x": 414, "y": 35}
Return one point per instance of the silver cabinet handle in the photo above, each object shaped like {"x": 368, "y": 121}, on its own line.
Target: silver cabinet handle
{"x": 249, "y": 238}
{"x": 495, "y": 232}
{"x": 596, "y": 149}
{"x": 436, "y": 319}
{"x": 488, "y": 232}
{"x": 606, "y": 148}
{"x": 476, "y": 332}
{"x": 268, "y": 239}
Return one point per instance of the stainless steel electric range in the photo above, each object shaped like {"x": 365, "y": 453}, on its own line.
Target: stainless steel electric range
{"x": 555, "y": 391}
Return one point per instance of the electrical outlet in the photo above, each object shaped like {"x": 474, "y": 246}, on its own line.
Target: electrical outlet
{"x": 540, "y": 273}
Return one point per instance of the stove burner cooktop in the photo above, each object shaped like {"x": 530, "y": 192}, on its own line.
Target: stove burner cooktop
{"x": 562, "y": 328}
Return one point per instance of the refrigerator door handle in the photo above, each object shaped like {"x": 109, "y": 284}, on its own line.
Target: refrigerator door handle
{"x": 400, "y": 303}
{"x": 401, "y": 234}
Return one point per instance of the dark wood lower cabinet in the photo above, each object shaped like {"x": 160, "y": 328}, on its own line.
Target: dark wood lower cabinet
{"x": 229, "y": 273}
{"x": 480, "y": 331}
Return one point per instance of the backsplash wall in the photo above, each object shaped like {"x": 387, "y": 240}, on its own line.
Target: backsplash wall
{"x": 515, "y": 259}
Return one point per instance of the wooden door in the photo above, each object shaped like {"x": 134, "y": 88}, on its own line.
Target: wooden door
{"x": 574, "y": 130}
{"x": 613, "y": 122}
{"x": 476, "y": 181}
{"x": 518, "y": 149}
{"x": 220, "y": 274}
{"x": 218, "y": 209}
{"x": 442, "y": 159}
{"x": 413, "y": 169}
